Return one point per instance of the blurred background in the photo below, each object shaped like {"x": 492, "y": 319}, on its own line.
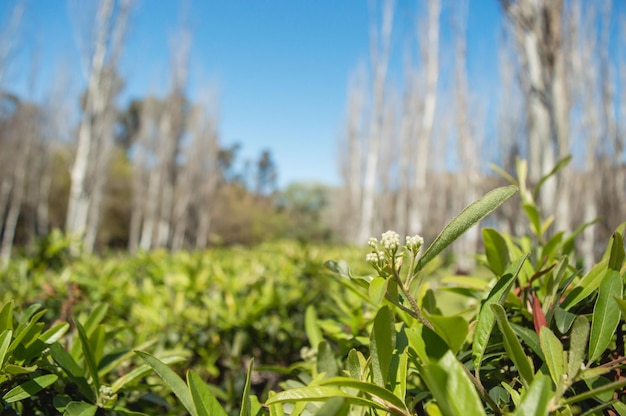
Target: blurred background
{"x": 142, "y": 124}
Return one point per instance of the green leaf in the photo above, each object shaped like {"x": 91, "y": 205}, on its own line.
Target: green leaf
{"x": 616, "y": 259}
{"x": 320, "y": 394}
{"x": 72, "y": 369}
{"x": 534, "y": 217}
{"x": 378, "y": 289}
{"x": 382, "y": 344}
{"x": 585, "y": 287}
{"x": 486, "y": 316}
{"x": 204, "y": 402}
{"x": 452, "y": 329}
{"x": 465, "y": 220}
{"x": 6, "y": 316}
{"x": 536, "y": 400}
{"x": 426, "y": 343}
{"x": 246, "y": 408}
{"x": 356, "y": 364}
{"x": 496, "y": 251}
{"x": 90, "y": 360}
{"x": 390, "y": 400}
{"x": 5, "y": 341}
{"x": 577, "y": 346}
{"x": 452, "y": 388}
{"x": 141, "y": 371}
{"x": 29, "y": 388}
{"x": 312, "y": 329}
{"x": 605, "y": 314}
{"x": 512, "y": 346}
{"x": 326, "y": 360}
{"x": 559, "y": 165}
{"x": 55, "y": 333}
{"x": 171, "y": 379}
{"x": 80, "y": 409}
{"x": 553, "y": 353}
{"x": 563, "y": 319}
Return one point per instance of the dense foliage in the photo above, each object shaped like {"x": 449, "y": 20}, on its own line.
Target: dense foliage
{"x": 271, "y": 331}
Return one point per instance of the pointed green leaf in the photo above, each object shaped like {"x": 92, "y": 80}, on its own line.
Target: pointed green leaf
{"x": 595, "y": 392}
{"x": 536, "y": 400}
{"x": 388, "y": 398}
{"x": 606, "y": 315}
{"x": 141, "y": 371}
{"x": 451, "y": 386}
{"x": 496, "y": 251}
{"x": 320, "y": 394}
{"x": 72, "y": 369}
{"x": 204, "y": 402}
{"x": 55, "y": 333}
{"x": 6, "y": 316}
{"x": 559, "y": 165}
{"x": 80, "y": 409}
{"x": 577, "y": 346}
{"x": 171, "y": 379}
{"x": 486, "y": 316}
{"x": 311, "y": 327}
{"x": 616, "y": 259}
{"x": 5, "y": 340}
{"x": 378, "y": 289}
{"x": 356, "y": 364}
{"x": 512, "y": 345}
{"x": 465, "y": 220}
{"x": 382, "y": 344}
{"x": 29, "y": 388}
{"x": 452, "y": 329}
{"x": 326, "y": 362}
{"x": 532, "y": 212}
{"x": 90, "y": 360}
{"x": 246, "y": 405}
{"x": 553, "y": 353}
{"x": 586, "y": 286}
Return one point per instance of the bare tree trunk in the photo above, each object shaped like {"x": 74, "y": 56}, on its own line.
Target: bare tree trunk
{"x": 380, "y": 61}
{"x": 83, "y": 204}
{"x": 467, "y": 145}
{"x": 418, "y": 203}
{"x": 25, "y": 131}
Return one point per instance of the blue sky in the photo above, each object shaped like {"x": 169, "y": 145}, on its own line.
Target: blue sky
{"x": 281, "y": 66}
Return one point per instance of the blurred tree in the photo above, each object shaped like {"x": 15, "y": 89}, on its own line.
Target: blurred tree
{"x": 95, "y": 133}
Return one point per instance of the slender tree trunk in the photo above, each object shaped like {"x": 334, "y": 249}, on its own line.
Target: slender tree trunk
{"x": 419, "y": 204}
{"x": 380, "y": 61}
{"x": 25, "y": 131}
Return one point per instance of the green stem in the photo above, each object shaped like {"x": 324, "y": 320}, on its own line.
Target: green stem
{"x": 412, "y": 301}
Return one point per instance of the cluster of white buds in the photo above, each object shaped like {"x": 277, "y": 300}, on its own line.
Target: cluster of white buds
{"x": 390, "y": 240}
{"x": 414, "y": 243}
{"x": 375, "y": 257}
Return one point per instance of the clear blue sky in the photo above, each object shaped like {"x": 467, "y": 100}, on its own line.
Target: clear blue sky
{"x": 281, "y": 66}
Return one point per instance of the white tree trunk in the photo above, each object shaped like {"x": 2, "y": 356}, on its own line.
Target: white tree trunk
{"x": 419, "y": 203}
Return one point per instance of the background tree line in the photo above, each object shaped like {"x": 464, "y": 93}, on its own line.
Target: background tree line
{"x": 153, "y": 173}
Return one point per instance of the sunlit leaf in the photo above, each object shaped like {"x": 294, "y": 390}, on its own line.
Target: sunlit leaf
{"x": 382, "y": 344}
{"x": 553, "y": 353}
{"x": 606, "y": 315}
{"x": 512, "y": 345}
{"x": 486, "y": 316}
{"x": 29, "y": 388}
{"x": 536, "y": 400}
{"x": 465, "y": 220}
{"x": 204, "y": 402}
{"x": 496, "y": 251}
{"x": 171, "y": 379}
{"x": 578, "y": 346}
